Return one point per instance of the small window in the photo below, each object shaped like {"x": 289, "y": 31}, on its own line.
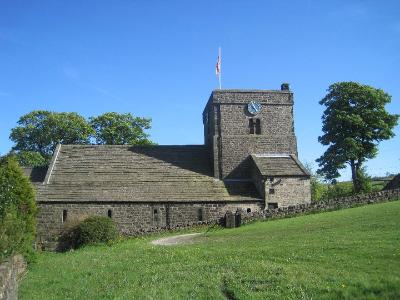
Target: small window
{"x": 258, "y": 126}
{"x": 64, "y": 215}
{"x": 109, "y": 213}
{"x": 272, "y": 205}
{"x": 251, "y": 126}
{"x": 200, "y": 214}
{"x": 255, "y": 126}
{"x": 272, "y": 191}
{"x": 249, "y": 210}
{"x": 155, "y": 215}
{"x": 271, "y": 179}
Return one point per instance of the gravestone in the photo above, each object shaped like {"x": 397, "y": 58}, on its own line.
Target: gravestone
{"x": 230, "y": 219}
{"x": 238, "y": 218}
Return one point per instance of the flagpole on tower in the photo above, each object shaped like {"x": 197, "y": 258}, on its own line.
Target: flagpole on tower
{"x": 219, "y": 55}
{"x": 218, "y": 67}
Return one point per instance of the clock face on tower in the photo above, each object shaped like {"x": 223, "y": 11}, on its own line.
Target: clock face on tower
{"x": 254, "y": 107}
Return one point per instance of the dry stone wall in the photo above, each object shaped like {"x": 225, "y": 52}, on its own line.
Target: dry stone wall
{"x": 11, "y": 272}
{"x": 140, "y": 218}
{"x": 320, "y": 206}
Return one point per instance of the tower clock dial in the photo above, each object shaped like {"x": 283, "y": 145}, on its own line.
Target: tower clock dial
{"x": 254, "y": 107}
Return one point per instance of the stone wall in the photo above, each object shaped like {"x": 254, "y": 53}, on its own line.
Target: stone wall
{"x": 139, "y": 218}
{"x": 287, "y": 191}
{"x": 320, "y": 206}
{"x": 132, "y": 218}
{"x": 11, "y": 272}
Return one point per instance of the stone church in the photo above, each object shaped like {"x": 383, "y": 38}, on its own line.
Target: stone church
{"x": 248, "y": 162}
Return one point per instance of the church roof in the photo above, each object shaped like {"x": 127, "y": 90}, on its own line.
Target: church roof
{"x": 279, "y": 165}
{"x": 93, "y": 173}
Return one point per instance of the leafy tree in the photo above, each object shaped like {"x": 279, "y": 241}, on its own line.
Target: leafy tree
{"x": 354, "y": 122}
{"x": 29, "y": 158}
{"x": 17, "y": 209}
{"x": 120, "y": 129}
{"x": 40, "y": 131}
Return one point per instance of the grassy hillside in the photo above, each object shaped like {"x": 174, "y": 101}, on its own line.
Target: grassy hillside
{"x": 353, "y": 253}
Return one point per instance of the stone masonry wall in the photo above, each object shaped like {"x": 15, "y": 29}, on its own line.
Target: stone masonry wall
{"x": 132, "y": 218}
{"x": 287, "y": 191}
{"x": 235, "y": 160}
{"x": 227, "y": 128}
{"x": 323, "y": 205}
{"x": 139, "y": 218}
{"x": 11, "y": 272}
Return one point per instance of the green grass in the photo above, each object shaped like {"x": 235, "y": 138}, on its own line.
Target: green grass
{"x": 347, "y": 254}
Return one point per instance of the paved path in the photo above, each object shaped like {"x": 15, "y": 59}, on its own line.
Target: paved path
{"x": 175, "y": 240}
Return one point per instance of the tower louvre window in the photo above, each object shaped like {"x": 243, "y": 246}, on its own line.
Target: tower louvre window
{"x": 251, "y": 126}
{"x": 255, "y": 126}
{"x": 258, "y": 126}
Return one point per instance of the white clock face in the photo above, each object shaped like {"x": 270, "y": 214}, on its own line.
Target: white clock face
{"x": 254, "y": 107}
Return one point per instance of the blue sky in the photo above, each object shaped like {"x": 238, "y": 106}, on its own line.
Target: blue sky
{"x": 157, "y": 58}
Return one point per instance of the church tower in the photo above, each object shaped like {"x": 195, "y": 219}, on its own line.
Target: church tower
{"x": 250, "y": 136}
{"x": 238, "y": 123}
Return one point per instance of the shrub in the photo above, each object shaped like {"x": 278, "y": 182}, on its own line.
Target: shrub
{"x": 68, "y": 238}
{"x": 93, "y": 230}
{"x": 364, "y": 181}
{"x": 317, "y": 190}
{"x": 17, "y": 210}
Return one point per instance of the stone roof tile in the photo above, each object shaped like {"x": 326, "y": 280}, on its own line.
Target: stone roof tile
{"x": 279, "y": 165}
{"x": 87, "y": 173}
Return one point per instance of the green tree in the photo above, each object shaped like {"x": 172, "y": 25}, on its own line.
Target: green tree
{"x": 120, "y": 129}
{"x": 40, "y": 131}
{"x": 29, "y": 158}
{"x": 17, "y": 209}
{"x": 354, "y": 122}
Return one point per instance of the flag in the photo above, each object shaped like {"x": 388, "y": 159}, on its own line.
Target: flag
{"x": 218, "y": 66}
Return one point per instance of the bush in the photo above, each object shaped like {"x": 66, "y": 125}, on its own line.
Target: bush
{"x": 93, "y": 230}
{"x": 338, "y": 189}
{"x": 17, "y": 210}
{"x": 364, "y": 181}
{"x": 317, "y": 190}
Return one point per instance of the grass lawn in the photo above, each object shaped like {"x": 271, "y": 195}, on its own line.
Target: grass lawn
{"x": 347, "y": 254}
